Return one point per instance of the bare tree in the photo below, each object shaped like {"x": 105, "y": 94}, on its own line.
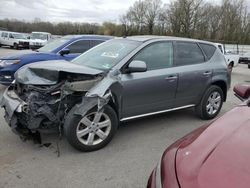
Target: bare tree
{"x": 152, "y": 13}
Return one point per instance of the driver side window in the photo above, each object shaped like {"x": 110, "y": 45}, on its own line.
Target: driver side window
{"x": 157, "y": 55}
{"x": 79, "y": 46}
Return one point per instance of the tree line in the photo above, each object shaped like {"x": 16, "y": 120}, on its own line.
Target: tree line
{"x": 228, "y": 21}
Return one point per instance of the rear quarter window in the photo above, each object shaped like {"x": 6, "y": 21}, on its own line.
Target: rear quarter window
{"x": 208, "y": 50}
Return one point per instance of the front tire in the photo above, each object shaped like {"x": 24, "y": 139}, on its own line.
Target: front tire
{"x": 16, "y": 46}
{"x": 211, "y": 103}
{"x": 91, "y": 132}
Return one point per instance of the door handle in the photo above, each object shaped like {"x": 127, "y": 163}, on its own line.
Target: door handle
{"x": 207, "y": 73}
{"x": 171, "y": 78}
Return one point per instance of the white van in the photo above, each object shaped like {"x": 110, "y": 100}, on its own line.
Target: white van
{"x": 14, "y": 40}
{"x": 39, "y": 39}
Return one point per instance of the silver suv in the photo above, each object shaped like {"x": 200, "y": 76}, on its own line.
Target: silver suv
{"x": 118, "y": 80}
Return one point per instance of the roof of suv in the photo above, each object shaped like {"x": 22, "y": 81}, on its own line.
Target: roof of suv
{"x": 87, "y": 37}
{"x": 145, "y": 38}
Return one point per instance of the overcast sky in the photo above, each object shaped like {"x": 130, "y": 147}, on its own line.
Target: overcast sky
{"x": 95, "y": 11}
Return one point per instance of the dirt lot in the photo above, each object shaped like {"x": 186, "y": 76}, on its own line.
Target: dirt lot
{"x": 125, "y": 163}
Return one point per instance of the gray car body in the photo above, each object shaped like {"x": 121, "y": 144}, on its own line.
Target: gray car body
{"x": 140, "y": 94}
{"x": 157, "y": 91}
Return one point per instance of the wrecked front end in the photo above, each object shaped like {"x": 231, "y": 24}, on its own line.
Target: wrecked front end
{"x": 32, "y": 109}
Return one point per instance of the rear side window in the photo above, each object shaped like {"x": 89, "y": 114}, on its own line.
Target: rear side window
{"x": 79, "y": 46}
{"x": 95, "y": 43}
{"x": 157, "y": 56}
{"x": 188, "y": 53}
{"x": 208, "y": 49}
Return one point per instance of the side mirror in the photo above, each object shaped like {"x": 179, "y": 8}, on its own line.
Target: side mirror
{"x": 242, "y": 91}
{"x": 64, "y": 52}
{"x": 137, "y": 66}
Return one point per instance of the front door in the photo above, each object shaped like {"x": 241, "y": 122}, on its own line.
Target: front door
{"x": 153, "y": 90}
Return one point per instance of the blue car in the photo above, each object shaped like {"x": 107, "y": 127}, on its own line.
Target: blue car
{"x": 66, "y": 48}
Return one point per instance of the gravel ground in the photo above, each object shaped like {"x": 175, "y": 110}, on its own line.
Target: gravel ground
{"x": 125, "y": 163}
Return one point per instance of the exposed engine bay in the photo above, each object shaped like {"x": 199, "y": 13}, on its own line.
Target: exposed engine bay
{"x": 32, "y": 108}
{"x": 45, "y": 107}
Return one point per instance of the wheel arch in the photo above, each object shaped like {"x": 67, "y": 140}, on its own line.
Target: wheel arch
{"x": 115, "y": 103}
{"x": 222, "y": 84}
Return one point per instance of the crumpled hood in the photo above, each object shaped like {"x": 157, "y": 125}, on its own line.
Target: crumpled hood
{"x": 47, "y": 72}
{"x": 219, "y": 157}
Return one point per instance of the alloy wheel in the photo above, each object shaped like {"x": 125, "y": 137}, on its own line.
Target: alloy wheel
{"x": 93, "y": 128}
{"x": 213, "y": 103}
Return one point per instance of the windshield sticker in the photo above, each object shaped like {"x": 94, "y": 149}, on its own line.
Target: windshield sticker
{"x": 110, "y": 54}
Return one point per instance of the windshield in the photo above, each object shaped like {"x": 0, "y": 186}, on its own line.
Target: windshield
{"x": 52, "y": 45}
{"x": 107, "y": 54}
{"x": 18, "y": 36}
{"x": 41, "y": 36}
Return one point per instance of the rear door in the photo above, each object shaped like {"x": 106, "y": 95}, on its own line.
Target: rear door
{"x": 195, "y": 72}
{"x": 153, "y": 90}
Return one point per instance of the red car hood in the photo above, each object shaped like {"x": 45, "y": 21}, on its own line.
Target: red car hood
{"x": 220, "y": 156}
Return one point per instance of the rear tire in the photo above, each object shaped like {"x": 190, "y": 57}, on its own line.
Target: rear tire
{"x": 211, "y": 103}
{"x": 249, "y": 65}
{"x": 230, "y": 66}
{"x": 85, "y": 135}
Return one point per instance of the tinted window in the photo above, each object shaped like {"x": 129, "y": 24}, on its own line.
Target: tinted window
{"x": 157, "y": 55}
{"x": 4, "y": 34}
{"x": 95, "y": 43}
{"x": 188, "y": 53}
{"x": 79, "y": 46}
{"x": 208, "y": 50}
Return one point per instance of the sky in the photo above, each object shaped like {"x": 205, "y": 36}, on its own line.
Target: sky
{"x": 92, "y": 11}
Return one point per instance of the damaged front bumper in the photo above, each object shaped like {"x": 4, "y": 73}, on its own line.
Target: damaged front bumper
{"x": 12, "y": 104}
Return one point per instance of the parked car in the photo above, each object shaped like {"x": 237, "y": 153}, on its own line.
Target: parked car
{"x": 39, "y": 39}
{"x": 66, "y": 48}
{"x": 215, "y": 155}
{"x": 245, "y": 58}
{"x": 14, "y": 40}
{"x": 232, "y": 59}
{"x": 119, "y": 80}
